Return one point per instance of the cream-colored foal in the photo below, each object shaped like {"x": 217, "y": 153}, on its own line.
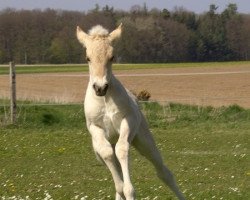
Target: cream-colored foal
{"x": 113, "y": 116}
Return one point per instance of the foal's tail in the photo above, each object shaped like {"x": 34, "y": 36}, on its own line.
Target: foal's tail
{"x": 145, "y": 144}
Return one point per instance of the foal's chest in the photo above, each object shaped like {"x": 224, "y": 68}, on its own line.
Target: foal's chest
{"x": 111, "y": 122}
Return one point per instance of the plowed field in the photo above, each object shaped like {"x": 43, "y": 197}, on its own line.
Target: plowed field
{"x": 215, "y": 86}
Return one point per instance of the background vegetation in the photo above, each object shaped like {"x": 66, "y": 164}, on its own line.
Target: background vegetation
{"x": 48, "y": 36}
{"x": 48, "y": 154}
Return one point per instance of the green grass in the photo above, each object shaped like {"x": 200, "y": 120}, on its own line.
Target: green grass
{"x": 26, "y": 69}
{"x": 49, "y": 152}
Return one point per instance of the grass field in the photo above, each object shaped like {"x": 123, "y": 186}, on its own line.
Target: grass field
{"x": 48, "y": 154}
{"x": 26, "y": 69}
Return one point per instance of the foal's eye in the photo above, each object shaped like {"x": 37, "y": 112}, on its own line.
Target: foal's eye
{"x": 112, "y": 58}
{"x": 88, "y": 59}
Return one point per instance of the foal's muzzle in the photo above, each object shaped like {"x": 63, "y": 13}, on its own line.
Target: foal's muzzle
{"x": 100, "y": 91}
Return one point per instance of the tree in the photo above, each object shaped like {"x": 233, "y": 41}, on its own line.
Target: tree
{"x": 165, "y": 13}
{"x": 43, "y": 36}
{"x": 175, "y": 41}
{"x": 238, "y": 37}
{"x": 185, "y": 17}
{"x": 230, "y": 11}
{"x": 212, "y": 42}
{"x": 212, "y": 9}
{"x": 64, "y": 48}
{"x": 127, "y": 48}
{"x": 8, "y": 33}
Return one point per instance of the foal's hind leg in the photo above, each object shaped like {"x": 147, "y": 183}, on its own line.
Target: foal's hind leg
{"x": 145, "y": 144}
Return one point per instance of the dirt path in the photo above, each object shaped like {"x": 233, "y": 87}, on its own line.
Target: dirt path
{"x": 214, "y": 86}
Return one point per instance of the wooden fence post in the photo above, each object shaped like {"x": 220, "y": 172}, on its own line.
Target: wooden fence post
{"x": 12, "y": 93}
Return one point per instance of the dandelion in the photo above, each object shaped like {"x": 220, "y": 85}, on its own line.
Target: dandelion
{"x": 76, "y": 197}
{"x": 58, "y": 186}
{"x": 234, "y": 189}
{"x": 61, "y": 150}
{"x": 242, "y": 155}
{"x": 73, "y": 182}
{"x": 47, "y": 196}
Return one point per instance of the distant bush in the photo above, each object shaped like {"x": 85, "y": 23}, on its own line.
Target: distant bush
{"x": 143, "y": 95}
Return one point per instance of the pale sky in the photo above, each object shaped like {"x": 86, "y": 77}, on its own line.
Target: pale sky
{"x": 197, "y": 6}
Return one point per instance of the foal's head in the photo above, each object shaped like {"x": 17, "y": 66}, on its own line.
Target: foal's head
{"x": 99, "y": 54}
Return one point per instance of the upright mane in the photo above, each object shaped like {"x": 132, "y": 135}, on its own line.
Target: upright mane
{"x": 98, "y": 30}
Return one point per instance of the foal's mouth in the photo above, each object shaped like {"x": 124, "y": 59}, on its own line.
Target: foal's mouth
{"x": 100, "y": 91}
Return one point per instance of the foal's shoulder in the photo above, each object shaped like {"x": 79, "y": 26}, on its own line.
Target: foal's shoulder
{"x": 132, "y": 96}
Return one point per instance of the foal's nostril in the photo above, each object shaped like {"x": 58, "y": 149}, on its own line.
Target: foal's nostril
{"x": 105, "y": 86}
{"x": 95, "y": 87}
{"x": 100, "y": 91}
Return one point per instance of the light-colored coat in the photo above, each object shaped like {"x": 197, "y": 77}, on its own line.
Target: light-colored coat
{"x": 113, "y": 117}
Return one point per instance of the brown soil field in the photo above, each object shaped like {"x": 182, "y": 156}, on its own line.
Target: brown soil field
{"x": 215, "y": 86}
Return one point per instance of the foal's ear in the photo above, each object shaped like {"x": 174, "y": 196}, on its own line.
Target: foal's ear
{"x": 116, "y": 34}
{"x": 81, "y": 36}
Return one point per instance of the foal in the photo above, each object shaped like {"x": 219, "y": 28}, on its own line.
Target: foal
{"x": 113, "y": 116}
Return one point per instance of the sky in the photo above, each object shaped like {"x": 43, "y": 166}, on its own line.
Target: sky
{"x": 198, "y": 6}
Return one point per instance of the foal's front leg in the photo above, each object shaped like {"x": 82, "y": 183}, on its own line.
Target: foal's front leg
{"x": 122, "y": 153}
{"x": 106, "y": 152}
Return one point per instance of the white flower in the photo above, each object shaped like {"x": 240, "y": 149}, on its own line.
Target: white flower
{"x": 47, "y": 196}
{"x": 234, "y": 189}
